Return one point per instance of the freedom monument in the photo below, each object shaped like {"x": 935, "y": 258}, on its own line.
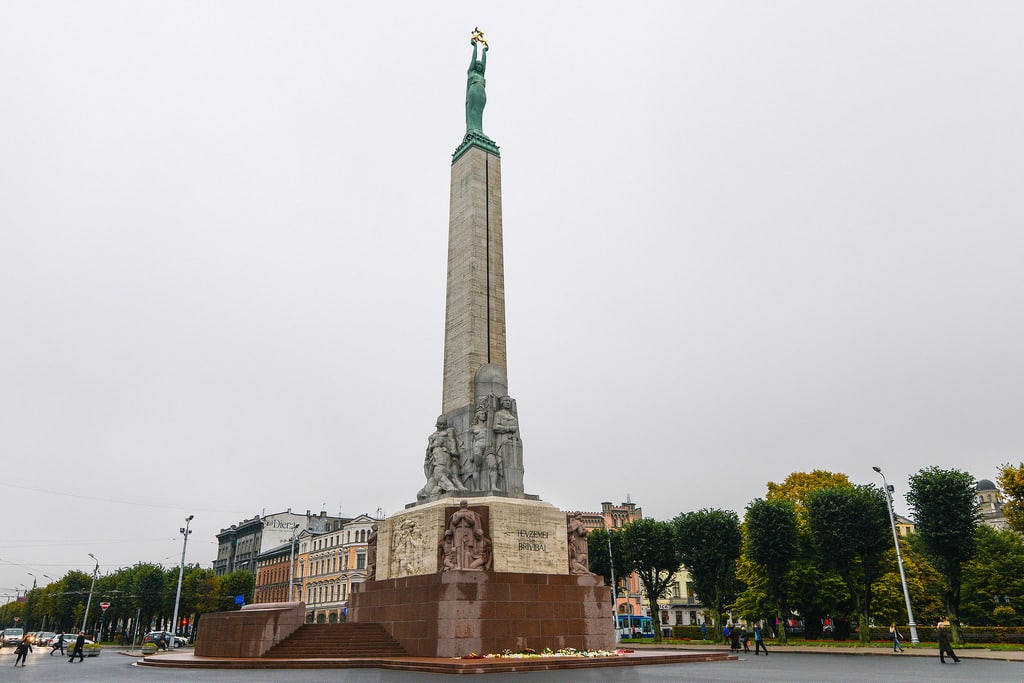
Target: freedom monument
{"x": 476, "y": 564}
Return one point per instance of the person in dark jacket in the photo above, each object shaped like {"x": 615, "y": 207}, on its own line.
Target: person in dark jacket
{"x": 945, "y": 645}
{"x": 759, "y": 640}
{"x": 58, "y": 644}
{"x": 22, "y": 649}
{"x": 79, "y": 648}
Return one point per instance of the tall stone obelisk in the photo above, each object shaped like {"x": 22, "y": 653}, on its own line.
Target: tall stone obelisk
{"x": 474, "y": 330}
{"x": 476, "y": 449}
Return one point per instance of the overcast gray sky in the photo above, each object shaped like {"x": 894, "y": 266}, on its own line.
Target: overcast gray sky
{"x": 741, "y": 240}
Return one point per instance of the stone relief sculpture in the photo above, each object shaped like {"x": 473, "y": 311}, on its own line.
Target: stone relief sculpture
{"x": 405, "y": 549}
{"x": 441, "y": 463}
{"x": 482, "y": 556}
{"x": 465, "y": 545}
{"x": 579, "y": 552}
{"x": 447, "y": 547}
{"x": 371, "y": 554}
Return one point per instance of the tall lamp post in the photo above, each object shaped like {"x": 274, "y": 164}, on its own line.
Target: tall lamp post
{"x": 185, "y": 531}
{"x": 615, "y": 595}
{"x": 291, "y": 564}
{"x": 899, "y": 557}
{"x": 88, "y": 602}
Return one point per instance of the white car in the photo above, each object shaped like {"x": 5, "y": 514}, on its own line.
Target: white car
{"x": 11, "y": 636}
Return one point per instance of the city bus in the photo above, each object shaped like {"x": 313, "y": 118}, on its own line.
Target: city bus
{"x": 633, "y": 626}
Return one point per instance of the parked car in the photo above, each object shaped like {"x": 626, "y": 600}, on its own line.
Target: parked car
{"x": 163, "y": 639}
{"x": 11, "y": 636}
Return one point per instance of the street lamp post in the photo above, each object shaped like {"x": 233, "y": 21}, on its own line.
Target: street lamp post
{"x": 33, "y": 580}
{"x": 899, "y": 557}
{"x": 291, "y": 564}
{"x": 185, "y": 531}
{"x": 88, "y": 602}
{"x": 615, "y": 592}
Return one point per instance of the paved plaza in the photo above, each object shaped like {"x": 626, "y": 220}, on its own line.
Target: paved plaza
{"x": 798, "y": 667}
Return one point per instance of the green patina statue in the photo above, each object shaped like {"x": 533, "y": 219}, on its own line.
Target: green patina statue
{"x": 476, "y": 96}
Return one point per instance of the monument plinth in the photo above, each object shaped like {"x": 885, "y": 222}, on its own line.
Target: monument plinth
{"x": 476, "y": 564}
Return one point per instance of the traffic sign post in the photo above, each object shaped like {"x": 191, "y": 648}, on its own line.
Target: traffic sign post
{"x": 104, "y": 606}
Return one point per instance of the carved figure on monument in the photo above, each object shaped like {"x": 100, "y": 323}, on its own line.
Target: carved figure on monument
{"x": 506, "y": 430}
{"x": 441, "y": 463}
{"x": 406, "y": 548}
{"x": 465, "y": 525}
{"x": 371, "y": 554}
{"x": 447, "y": 546}
{"x": 476, "y": 96}
{"x": 492, "y": 471}
{"x": 480, "y": 435}
{"x": 579, "y": 547}
{"x": 482, "y": 557}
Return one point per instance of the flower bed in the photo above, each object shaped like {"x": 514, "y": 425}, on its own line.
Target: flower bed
{"x": 530, "y": 653}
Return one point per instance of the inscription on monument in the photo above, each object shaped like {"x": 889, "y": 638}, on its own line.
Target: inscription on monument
{"x": 532, "y": 540}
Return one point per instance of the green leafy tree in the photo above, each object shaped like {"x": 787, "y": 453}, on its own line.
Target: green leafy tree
{"x": 923, "y": 583}
{"x": 993, "y": 586}
{"x": 598, "y": 560}
{"x": 148, "y": 583}
{"x": 709, "y": 543}
{"x": 1011, "y": 483}
{"x": 200, "y": 593}
{"x": 73, "y": 590}
{"x": 813, "y": 590}
{"x": 850, "y": 528}
{"x": 798, "y": 485}
{"x": 946, "y": 513}
{"x": 771, "y": 543}
{"x": 241, "y": 582}
{"x": 649, "y": 549}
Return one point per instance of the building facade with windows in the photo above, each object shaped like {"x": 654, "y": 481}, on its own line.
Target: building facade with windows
{"x": 273, "y": 572}
{"x": 240, "y": 544}
{"x": 330, "y": 566}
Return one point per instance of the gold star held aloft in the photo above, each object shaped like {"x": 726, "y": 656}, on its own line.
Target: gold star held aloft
{"x": 478, "y": 36}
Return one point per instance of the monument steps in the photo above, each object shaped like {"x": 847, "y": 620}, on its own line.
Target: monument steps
{"x": 337, "y": 641}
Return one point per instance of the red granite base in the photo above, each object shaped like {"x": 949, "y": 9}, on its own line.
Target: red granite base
{"x": 453, "y": 614}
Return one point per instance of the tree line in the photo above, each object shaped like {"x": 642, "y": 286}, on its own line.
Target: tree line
{"x": 145, "y": 592}
{"x": 819, "y": 546}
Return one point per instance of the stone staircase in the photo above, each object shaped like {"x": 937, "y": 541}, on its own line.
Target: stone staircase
{"x": 337, "y": 641}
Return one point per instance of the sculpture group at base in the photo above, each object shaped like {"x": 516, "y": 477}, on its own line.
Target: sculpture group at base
{"x": 479, "y": 464}
{"x": 465, "y": 545}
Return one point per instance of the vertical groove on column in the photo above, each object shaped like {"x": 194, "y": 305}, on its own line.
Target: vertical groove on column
{"x": 487, "y": 244}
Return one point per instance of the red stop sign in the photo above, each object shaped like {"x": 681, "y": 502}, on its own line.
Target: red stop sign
{"x": 104, "y": 606}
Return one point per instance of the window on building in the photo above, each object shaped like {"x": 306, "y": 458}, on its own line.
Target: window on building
{"x": 360, "y": 560}
{"x": 675, "y": 590}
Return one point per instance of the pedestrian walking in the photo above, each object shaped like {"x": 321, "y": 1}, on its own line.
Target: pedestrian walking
{"x": 58, "y": 644}
{"x": 896, "y": 638}
{"x": 745, "y": 639}
{"x": 704, "y": 631}
{"x": 22, "y": 649}
{"x": 759, "y": 640}
{"x": 734, "y": 640}
{"x": 79, "y": 648}
{"x": 945, "y": 645}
